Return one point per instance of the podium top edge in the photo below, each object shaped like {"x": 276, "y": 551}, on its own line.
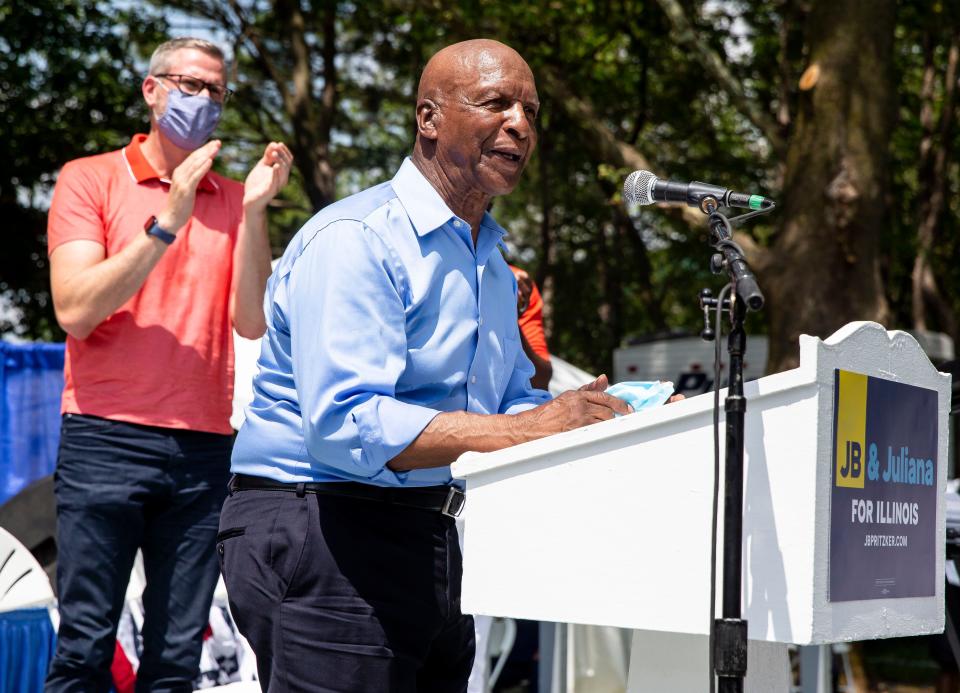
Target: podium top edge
{"x": 869, "y": 344}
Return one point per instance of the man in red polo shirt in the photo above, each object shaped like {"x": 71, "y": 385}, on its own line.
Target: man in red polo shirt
{"x": 154, "y": 258}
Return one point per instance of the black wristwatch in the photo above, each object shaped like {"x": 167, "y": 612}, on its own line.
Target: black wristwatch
{"x": 152, "y": 227}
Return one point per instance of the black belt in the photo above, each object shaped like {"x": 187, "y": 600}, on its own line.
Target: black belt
{"x": 447, "y": 500}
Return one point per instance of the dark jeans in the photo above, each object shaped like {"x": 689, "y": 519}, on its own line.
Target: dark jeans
{"x": 345, "y": 594}
{"x": 120, "y": 487}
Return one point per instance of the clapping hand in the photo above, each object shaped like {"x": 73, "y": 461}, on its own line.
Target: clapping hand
{"x": 183, "y": 186}
{"x": 267, "y": 177}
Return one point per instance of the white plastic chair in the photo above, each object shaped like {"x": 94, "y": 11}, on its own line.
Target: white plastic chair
{"x": 23, "y": 583}
{"x": 25, "y": 588}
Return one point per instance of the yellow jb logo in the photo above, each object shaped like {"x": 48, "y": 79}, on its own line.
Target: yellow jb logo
{"x": 851, "y": 430}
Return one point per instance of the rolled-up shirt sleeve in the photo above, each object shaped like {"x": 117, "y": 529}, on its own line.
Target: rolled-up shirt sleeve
{"x": 349, "y": 347}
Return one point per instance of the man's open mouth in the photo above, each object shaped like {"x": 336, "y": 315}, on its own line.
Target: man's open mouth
{"x": 509, "y": 156}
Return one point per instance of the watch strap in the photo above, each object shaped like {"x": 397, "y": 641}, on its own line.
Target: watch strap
{"x": 152, "y": 227}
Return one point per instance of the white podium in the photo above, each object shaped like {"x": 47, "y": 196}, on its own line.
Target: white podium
{"x": 610, "y": 524}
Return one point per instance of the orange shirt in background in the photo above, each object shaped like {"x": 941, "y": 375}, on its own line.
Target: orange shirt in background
{"x": 165, "y": 358}
{"x": 531, "y": 324}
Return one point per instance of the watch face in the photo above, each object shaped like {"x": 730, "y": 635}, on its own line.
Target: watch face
{"x": 150, "y": 222}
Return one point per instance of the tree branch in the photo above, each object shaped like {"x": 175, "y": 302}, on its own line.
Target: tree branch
{"x": 328, "y": 96}
{"x": 604, "y": 144}
{"x": 301, "y": 100}
{"x": 254, "y": 118}
{"x": 261, "y": 55}
{"x": 714, "y": 65}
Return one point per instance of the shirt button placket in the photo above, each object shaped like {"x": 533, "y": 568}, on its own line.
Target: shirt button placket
{"x": 480, "y": 268}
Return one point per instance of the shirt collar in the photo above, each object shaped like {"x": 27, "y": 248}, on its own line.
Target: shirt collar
{"x": 428, "y": 212}
{"x": 141, "y": 170}
{"x": 491, "y": 236}
{"x": 423, "y": 204}
{"x": 489, "y": 223}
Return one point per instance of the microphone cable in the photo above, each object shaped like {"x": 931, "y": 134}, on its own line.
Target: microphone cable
{"x": 716, "y": 485}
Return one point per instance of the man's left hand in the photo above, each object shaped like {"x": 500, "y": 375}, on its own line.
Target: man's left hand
{"x": 267, "y": 177}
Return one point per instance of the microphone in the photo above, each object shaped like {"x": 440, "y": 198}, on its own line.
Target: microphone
{"x": 644, "y": 188}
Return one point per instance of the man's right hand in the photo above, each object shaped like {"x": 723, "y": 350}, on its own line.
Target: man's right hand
{"x": 575, "y": 408}
{"x": 183, "y": 186}
{"x": 524, "y": 289}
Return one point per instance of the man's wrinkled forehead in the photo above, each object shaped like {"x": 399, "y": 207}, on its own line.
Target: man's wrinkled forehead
{"x": 490, "y": 69}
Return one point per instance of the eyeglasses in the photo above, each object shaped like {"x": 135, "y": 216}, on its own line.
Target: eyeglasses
{"x": 191, "y": 86}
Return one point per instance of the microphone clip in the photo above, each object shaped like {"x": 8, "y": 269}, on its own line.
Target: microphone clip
{"x": 707, "y": 304}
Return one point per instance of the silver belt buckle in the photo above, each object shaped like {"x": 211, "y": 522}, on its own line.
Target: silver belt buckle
{"x": 453, "y": 505}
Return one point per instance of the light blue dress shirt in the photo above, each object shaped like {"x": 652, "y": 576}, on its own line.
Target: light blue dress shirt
{"x": 380, "y": 315}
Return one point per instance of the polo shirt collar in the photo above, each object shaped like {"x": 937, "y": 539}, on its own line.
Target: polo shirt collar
{"x": 141, "y": 170}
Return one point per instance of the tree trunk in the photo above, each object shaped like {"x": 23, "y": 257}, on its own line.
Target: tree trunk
{"x": 548, "y": 250}
{"x": 281, "y": 45}
{"x": 825, "y": 259}
{"x": 312, "y": 118}
{"x": 934, "y": 150}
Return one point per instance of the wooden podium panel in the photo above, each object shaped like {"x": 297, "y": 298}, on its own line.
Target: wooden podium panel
{"x": 610, "y": 524}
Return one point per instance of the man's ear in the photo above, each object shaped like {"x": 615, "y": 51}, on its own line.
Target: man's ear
{"x": 428, "y": 115}
{"x": 150, "y": 90}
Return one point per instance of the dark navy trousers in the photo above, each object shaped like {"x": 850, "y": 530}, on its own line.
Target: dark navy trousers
{"x": 346, "y": 595}
{"x": 120, "y": 487}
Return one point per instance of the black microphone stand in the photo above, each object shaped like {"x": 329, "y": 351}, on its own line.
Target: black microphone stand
{"x": 729, "y": 633}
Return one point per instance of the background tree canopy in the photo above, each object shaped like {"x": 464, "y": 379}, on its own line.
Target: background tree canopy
{"x": 843, "y": 111}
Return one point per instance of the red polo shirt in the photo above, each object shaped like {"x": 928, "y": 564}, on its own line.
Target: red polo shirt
{"x": 165, "y": 358}
{"x": 531, "y": 324}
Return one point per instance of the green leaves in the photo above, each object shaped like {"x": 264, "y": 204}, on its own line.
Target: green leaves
{"x": 69, "y": 85}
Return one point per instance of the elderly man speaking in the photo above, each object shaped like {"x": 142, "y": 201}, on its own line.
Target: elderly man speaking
{"x": 392, "y": 347}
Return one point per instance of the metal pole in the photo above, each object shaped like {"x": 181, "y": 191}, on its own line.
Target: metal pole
{"x": 731, "y": 629}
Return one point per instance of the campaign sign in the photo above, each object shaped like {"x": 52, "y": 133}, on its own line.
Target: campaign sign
{"x": 884, "y": 498}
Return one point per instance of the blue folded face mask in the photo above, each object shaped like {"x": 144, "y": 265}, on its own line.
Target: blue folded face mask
{"x": 642, "y": 395}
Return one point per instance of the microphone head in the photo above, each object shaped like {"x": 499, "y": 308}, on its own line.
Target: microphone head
{"x": 638, "y": 188}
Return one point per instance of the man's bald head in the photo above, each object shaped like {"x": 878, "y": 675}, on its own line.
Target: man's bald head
{"x": 477, "y": 108}
{"x": 462, "y": 62}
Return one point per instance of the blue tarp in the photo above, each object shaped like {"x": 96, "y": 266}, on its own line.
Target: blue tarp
{"x": 27, "y": 641}
{"x": 31, "y": 382}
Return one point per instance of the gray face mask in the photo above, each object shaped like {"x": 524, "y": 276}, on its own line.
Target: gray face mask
{"x": 189, "y": 121}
